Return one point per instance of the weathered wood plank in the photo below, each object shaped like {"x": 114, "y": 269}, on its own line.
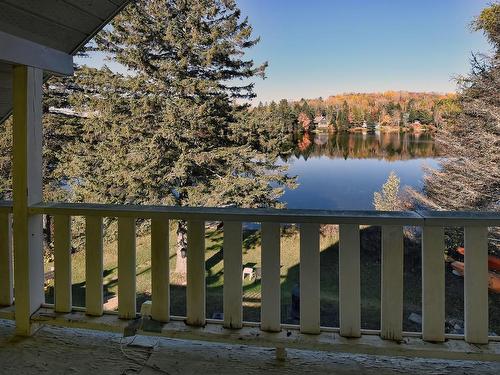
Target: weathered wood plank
{"x": 160, "y": 284}
{"x": 309, "y": 279}
{"x": 433, "y": 308}
{"x": 271, "y": 283}
{"x": 476, "y": 284}
{"x": 94, "y": 265}
{"x": 62, "y": 263}
{"x": 349, "y": 281}
{"x": 196, "y": 293}
{"x": 233, "y": 286}
{"x": 391, "y": 324}
{"x": 126, "y": 268}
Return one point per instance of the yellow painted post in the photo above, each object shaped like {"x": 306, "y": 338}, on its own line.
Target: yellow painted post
{"x": 27, "y": 190}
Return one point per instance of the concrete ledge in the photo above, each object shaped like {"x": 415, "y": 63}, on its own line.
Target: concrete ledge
{"x": 76, "y": 319}
{"x": 289, "y": 338}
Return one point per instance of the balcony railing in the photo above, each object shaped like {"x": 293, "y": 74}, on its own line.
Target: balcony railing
{"x": 433, "y": 270}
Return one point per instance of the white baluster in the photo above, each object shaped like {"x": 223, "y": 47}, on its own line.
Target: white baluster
{"x": 433, "y": 311}
{"x": 160, "y": 309}
{"x": 349, "y": 281}
{"x": 309, "y": 279}
{"x": 94, "y": 265}
{"x": 391, "y": 325}
{"x": 126, "y": 268}
{"x": 62, "y": 263}
{"x": 271, "y": 284}
{"x": 233, "y": 308}
{"x": 476, "y": 284}
{"x": 196, "y": 293}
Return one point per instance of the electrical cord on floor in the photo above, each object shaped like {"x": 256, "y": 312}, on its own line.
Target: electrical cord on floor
{"x": 139, "y": 362}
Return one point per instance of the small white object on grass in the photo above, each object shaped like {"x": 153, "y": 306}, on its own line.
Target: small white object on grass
{"x": 248, "y": 271}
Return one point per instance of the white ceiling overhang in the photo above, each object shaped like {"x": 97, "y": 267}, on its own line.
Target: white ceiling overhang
{"x": 45, "y": 34}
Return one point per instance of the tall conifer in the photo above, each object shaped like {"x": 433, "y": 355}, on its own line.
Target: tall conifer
{"x": 166, "y": 132}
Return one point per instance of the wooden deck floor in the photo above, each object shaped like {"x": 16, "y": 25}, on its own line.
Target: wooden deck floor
{"x": 75, "y": 351}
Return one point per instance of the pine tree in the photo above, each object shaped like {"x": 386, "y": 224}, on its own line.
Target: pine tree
{"x": 469, "y": 178}
{"x": 343, "y": 116}
{"x": 168, "y": 132}
{"x": 6, "y": 160}
{"x": 388, "y": 198}
{"x": 286, "y": 116}
{"x": 60, "y": 126}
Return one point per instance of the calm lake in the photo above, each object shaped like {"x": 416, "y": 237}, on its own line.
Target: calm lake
{"x": 342, "y": 171}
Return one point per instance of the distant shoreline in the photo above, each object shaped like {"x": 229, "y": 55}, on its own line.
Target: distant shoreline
{"x": 382, "y": 129}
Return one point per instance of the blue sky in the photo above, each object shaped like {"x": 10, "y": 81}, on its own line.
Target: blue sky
{"x": 323, "y": 47}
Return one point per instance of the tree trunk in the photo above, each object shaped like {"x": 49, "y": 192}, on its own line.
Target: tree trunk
{"x": 47, "y": 230}
{"x": 181, "y": 259}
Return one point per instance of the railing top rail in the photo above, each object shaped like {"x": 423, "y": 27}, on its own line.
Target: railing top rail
{"x": 460, "y": 218}
{"x": 230, "y": 213}
{"x": 6, "y": 206}
{"x": 270, "y": 215}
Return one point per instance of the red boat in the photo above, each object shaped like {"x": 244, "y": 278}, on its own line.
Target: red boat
{"x": 493, "y": 278}
{"x": 493, "y": 261}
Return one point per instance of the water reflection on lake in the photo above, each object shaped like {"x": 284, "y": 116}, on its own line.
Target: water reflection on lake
{"x": 342, "y": 171}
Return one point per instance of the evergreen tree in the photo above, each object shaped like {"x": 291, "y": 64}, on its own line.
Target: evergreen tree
{"x": 167, "y": 133}
{"x": 60, "y": 126}
{"x": 286, "y": 116}
{"x": 306, "y": 109}
{"x": 469, "y": 177}
{"x": 343, "y": 116}
{"x": 388, "y": 198}
{"x": 331, "y": 114}
{"x": 6, "y": 160}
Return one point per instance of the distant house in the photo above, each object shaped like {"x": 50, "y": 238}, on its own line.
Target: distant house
{"x": 321, "y": 122}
